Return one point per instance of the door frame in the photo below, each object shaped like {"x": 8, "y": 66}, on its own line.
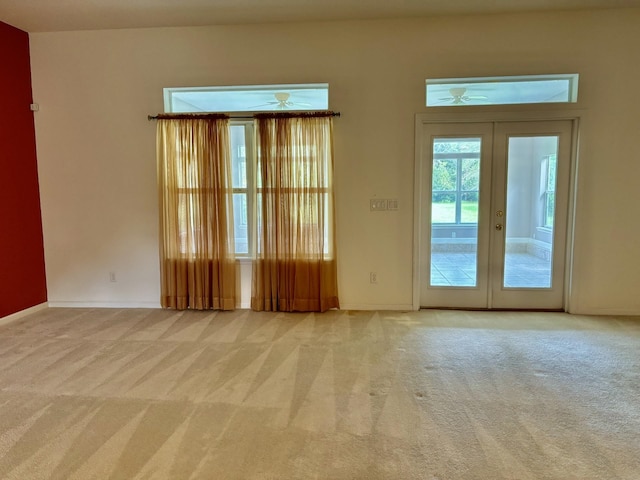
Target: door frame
{"x": 519, "y": 114}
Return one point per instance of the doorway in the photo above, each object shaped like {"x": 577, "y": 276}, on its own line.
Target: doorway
{"x": 493, "y": 203}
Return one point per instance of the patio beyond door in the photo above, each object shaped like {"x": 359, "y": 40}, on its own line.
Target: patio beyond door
{"x": 493, "y": 214}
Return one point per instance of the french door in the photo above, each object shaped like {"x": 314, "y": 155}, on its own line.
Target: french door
{"x": 493, "y": 208}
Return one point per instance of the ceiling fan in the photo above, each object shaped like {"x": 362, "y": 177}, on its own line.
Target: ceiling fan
{"x": 458, "y": 96}
{"x": 282, "y": 102}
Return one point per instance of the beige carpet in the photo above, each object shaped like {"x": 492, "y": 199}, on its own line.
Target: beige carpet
{"x": 152, "y": 394}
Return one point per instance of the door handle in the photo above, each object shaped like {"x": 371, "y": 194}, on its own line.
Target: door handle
{"x": 498, "y": 226}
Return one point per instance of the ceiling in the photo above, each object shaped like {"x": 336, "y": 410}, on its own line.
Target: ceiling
{"x": 64, "y": 15}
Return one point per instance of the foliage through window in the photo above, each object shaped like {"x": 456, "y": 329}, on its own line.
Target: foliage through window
{"x": 455, "y": 181}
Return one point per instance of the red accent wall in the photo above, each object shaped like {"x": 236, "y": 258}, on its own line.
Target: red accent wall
{"x": 22, "y": 273}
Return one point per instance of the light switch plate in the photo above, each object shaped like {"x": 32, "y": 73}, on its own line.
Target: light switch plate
{"x": 377, "y": 205}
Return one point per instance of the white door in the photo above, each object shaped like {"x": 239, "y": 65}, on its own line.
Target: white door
{"x": 494, "y": 202}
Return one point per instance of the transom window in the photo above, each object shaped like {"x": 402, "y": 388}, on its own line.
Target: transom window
{"x": 502, "y": 90}
{"x": 249, "y": 98}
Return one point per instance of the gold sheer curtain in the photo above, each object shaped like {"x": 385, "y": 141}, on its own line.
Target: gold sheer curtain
{"x": 295, "y": 265}
{"x": 197, "y": 259}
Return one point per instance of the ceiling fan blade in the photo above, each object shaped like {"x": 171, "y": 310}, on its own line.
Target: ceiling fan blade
{"x": 264, "y": 105}
{"x": 468, "y": 88}
{"x": 444, "y": 101}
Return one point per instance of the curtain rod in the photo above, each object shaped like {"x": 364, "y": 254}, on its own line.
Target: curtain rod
{"x": 243, "y": 117}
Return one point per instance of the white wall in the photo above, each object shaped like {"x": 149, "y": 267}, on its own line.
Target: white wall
{"x": 96, "y": 147}
{"x": 525, "y": 203}
{"x": 520, "y": 187}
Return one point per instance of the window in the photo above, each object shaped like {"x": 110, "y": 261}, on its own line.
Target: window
{"x": 455, "y": 181}
{"x": 502, "y": 90}
{"x": 550, "y": 166}
{"x": 242, "y": 172}
{"x": 252, "y": 98}
{"x": 246, "y": 182}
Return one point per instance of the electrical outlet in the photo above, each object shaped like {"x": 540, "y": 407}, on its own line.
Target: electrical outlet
{"x": 112, "y": 276}
{"x": 373, "y": 277}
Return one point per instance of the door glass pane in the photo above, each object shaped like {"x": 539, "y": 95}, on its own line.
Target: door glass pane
{"x": 530, "y": 210}
{"x": 455, "y": 188}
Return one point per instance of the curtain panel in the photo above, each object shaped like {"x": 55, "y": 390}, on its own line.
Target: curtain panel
{"x": 295, "y": 267}
{"x": 197, "y": 258}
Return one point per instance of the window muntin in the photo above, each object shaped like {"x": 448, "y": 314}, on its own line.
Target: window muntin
{"x": 502, "y": 90}
{"x": 250, "y": 98}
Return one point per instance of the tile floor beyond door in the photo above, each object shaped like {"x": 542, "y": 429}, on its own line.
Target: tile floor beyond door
{"x": 522, "y": 270}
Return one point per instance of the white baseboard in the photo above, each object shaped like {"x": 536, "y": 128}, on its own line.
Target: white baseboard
{"x": 63, "y": 304}
{"x": 22, "y": 313}
{"x": 381, "y": 307}
{"x": 243, "y": 305}
{"x": 620, "y": 312}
